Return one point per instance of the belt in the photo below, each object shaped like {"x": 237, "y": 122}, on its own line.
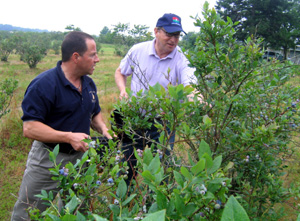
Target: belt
{"x": 68, "y": 149}
{"x": 63, "y": 147}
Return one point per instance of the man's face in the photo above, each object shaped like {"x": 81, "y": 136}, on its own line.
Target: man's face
{"x": 166, "y": 42}
{"x": 89, "y": 59}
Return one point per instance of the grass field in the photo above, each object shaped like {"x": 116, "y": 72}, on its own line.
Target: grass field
{"x": 14, "y": 147}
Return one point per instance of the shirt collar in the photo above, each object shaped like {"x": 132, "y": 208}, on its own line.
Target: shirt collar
{"x": 153, "y": 52}
{"x": 84, "y": 79}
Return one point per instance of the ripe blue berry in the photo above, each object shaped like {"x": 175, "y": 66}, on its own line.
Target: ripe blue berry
{"x": 61, "y": 171}
{"x": 98, "y": 182}
{"x": 110, "y": 180}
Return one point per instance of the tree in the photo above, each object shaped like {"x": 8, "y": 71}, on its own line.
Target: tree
{"x": 72, "y": 28}
{"x": 32, "y": 54}
{"x": 124, "y": 37}
{"x": 6, "y": 48}
{"x": 277, "y": 21}
{"x": 188, "y": 41}
{"x": 104, "y": 31}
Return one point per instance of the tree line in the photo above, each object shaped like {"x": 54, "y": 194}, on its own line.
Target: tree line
{"x": 277, "y": 22}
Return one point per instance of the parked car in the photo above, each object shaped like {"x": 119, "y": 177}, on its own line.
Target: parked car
{"x": 271, "y": 55}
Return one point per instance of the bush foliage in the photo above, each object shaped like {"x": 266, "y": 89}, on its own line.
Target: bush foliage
{"x": 236, "y": 143}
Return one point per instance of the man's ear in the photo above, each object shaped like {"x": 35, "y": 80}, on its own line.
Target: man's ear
{"x": 75, "y": 57}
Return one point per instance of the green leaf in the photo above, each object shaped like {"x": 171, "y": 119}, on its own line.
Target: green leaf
{"x": 186, "y": 173}
{"x": 68, "y": 217}
{"x": 56, "y": 150}
{"x": 147, "y": 156}
{"x": 178, "y": 178}
{"x": 115, "y": 209}
{"x": 207, "y": 121}
{"x": 80, "y": 217}
{"x": 161, "y": 200}
{"x": 159, "y": 215}
{"x": 89, "y": 179}
{"x": 72, "y": 204}
{"x": 91, "y": 170}
{"x": 147, "y": 175}
{"x": 189, "y": 209}
{"x": 128, "y": 199}
{"x": 208, "y": 160}
{"x": 122, "y": 189}
{"x": 233, "y": 211}
{"x": 154, "y": 164}
{"x": 99, "y": 218}
{"x": 203, "y": 148}
{"x": 216, "y": 165}
{"x": 179, "y": 204}
{"x": 199, "y": 167}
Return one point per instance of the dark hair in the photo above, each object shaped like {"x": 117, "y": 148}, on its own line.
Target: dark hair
{"x": 74, "y": 41}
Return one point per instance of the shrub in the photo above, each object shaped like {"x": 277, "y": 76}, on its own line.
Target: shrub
{"x": 236, "y": 143}
{"x": 7, "y": 88}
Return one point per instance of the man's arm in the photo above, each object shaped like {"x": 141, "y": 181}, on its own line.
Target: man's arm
{"x": 42, "y": 132}
{"x": 99, "y": 125}
{"x": 121, "y": 83}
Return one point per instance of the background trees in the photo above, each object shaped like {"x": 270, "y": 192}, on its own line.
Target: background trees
{"x": 277, "y": 21}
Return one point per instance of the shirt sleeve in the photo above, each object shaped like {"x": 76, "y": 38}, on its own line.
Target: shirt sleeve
{"x": 35, "y": 104}
{"x": 127, "y": 63}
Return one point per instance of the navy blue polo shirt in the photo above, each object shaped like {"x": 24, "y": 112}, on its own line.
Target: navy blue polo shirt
{"x": 51, "y": 99}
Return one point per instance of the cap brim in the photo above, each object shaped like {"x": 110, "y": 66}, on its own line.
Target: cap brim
{"x": 172, "y": 29}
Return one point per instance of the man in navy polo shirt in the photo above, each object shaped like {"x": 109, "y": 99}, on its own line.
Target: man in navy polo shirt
{"x": 59, "y": 107}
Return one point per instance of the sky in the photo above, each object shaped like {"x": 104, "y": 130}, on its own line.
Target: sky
{"x": 92, "y": 15}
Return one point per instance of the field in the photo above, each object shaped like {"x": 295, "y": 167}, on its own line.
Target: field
{"x": 14, "y": 147}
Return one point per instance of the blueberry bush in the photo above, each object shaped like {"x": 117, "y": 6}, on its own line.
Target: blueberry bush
{"x": 232, "y": 147}
{"x": 7, "y": 88}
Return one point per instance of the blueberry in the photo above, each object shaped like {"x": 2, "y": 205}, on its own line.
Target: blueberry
{"x": 110, "y": 180}
{"x": 201, "y": 214}
{"x": 61, "y": 171}
{"x": 98, "y": 182}
{"x": 217, "y": 206}
{"x": 293, "y": 105}
{"x": 219, "y": 202}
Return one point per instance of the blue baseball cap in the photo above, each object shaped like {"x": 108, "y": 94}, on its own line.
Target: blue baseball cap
{"x": 170, "y": 22}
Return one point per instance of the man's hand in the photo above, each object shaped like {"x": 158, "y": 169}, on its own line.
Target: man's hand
{"x": 123, "y": 94}
{"x": 76, "y": 140}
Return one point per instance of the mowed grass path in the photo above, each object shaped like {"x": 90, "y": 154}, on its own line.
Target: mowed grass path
{"x": 14, "y": 147}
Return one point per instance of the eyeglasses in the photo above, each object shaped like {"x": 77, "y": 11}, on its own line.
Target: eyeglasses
{"x": 170, "y": 35}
